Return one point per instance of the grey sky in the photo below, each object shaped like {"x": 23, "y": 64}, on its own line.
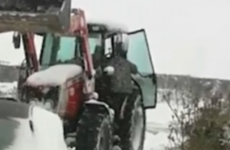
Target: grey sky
{"x": 185, "y": 36}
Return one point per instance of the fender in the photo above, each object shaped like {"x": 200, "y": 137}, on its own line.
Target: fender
{"x": 100, "y": 106}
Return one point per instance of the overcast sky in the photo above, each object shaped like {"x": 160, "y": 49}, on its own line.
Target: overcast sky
{"x": 185, "y": 36}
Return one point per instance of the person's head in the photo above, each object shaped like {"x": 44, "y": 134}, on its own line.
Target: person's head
{"x": 121, "y": 43}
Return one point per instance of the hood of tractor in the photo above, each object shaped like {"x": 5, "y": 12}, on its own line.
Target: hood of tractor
{"x": 54, "y": 76}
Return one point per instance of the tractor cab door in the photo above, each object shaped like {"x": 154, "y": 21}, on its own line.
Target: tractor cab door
{"x": 139, "y": 54}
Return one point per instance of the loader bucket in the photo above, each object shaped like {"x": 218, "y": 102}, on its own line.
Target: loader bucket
{"x": 35, "y": 15}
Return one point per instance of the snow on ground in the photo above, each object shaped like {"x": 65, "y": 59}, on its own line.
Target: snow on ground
{"x": 6, "y": 86}
{"x": 157, "y": 127}
{"x": 157, "y": 122}
{"x": 156, "y": 142}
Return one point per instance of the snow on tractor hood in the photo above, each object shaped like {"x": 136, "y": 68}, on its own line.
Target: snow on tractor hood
{"x": 54, "y": 75}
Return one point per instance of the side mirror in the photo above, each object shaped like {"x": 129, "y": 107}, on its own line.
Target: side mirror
{"x": 16, "y": 40}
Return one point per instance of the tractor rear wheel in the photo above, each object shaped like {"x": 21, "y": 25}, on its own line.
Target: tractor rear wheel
{"x": 94, "y": 131}
{"x": 133, "y": 124}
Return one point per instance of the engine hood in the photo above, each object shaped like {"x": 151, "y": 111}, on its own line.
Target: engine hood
{"x": 54, "y": 76}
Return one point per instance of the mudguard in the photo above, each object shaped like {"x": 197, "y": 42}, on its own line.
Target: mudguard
{"x": 35, "y": 17}
{"x": 100, "y": 106}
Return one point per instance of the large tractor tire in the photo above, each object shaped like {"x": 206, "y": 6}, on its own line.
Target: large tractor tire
{"x": 94, "y": 131}
{"x": 133, "y": 124}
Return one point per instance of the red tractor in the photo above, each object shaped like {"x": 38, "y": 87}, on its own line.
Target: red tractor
{"x": 97, "y": 76}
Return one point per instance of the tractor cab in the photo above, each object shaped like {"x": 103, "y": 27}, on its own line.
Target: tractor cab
{"x": 107, "y": 39}
{"x": 102, "y": 34}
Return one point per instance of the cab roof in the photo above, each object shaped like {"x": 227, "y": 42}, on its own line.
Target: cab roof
{"x": 109, "y": 26}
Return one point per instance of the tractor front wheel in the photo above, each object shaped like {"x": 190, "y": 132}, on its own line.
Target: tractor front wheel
{"x": 133, "y": 124}
{"x": 94, "y": 131}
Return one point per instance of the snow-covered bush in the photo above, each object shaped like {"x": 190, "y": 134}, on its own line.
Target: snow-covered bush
{"x": 199, "y": 123}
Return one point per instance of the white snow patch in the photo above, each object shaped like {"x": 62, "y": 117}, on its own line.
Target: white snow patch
{"x": 54, "y": 75}
{"x": 48, "y": 132}
{"x": 8, "y": 90}
{"x": 48, "y": 129}
{"x": 7, "y": 86}
{"x": 161, "y": 114}
{"x": 155, "y": 127}
{"x": 110, "y": 25}
{"x": 157, "y": 130}
{"x": 156, "y": 142}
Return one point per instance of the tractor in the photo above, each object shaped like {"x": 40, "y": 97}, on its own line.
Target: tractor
{"x": 96, "y": 75}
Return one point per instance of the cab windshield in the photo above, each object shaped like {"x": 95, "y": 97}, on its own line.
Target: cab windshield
{"x": 62, "y": 49}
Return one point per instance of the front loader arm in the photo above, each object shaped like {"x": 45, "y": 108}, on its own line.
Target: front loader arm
{"x": 30, "y": 51}
{"x": 78, "y": 25}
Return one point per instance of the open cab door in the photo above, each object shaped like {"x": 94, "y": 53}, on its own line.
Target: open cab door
{"x": 35, "y": 15}
{"x": 139, "y": 54}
